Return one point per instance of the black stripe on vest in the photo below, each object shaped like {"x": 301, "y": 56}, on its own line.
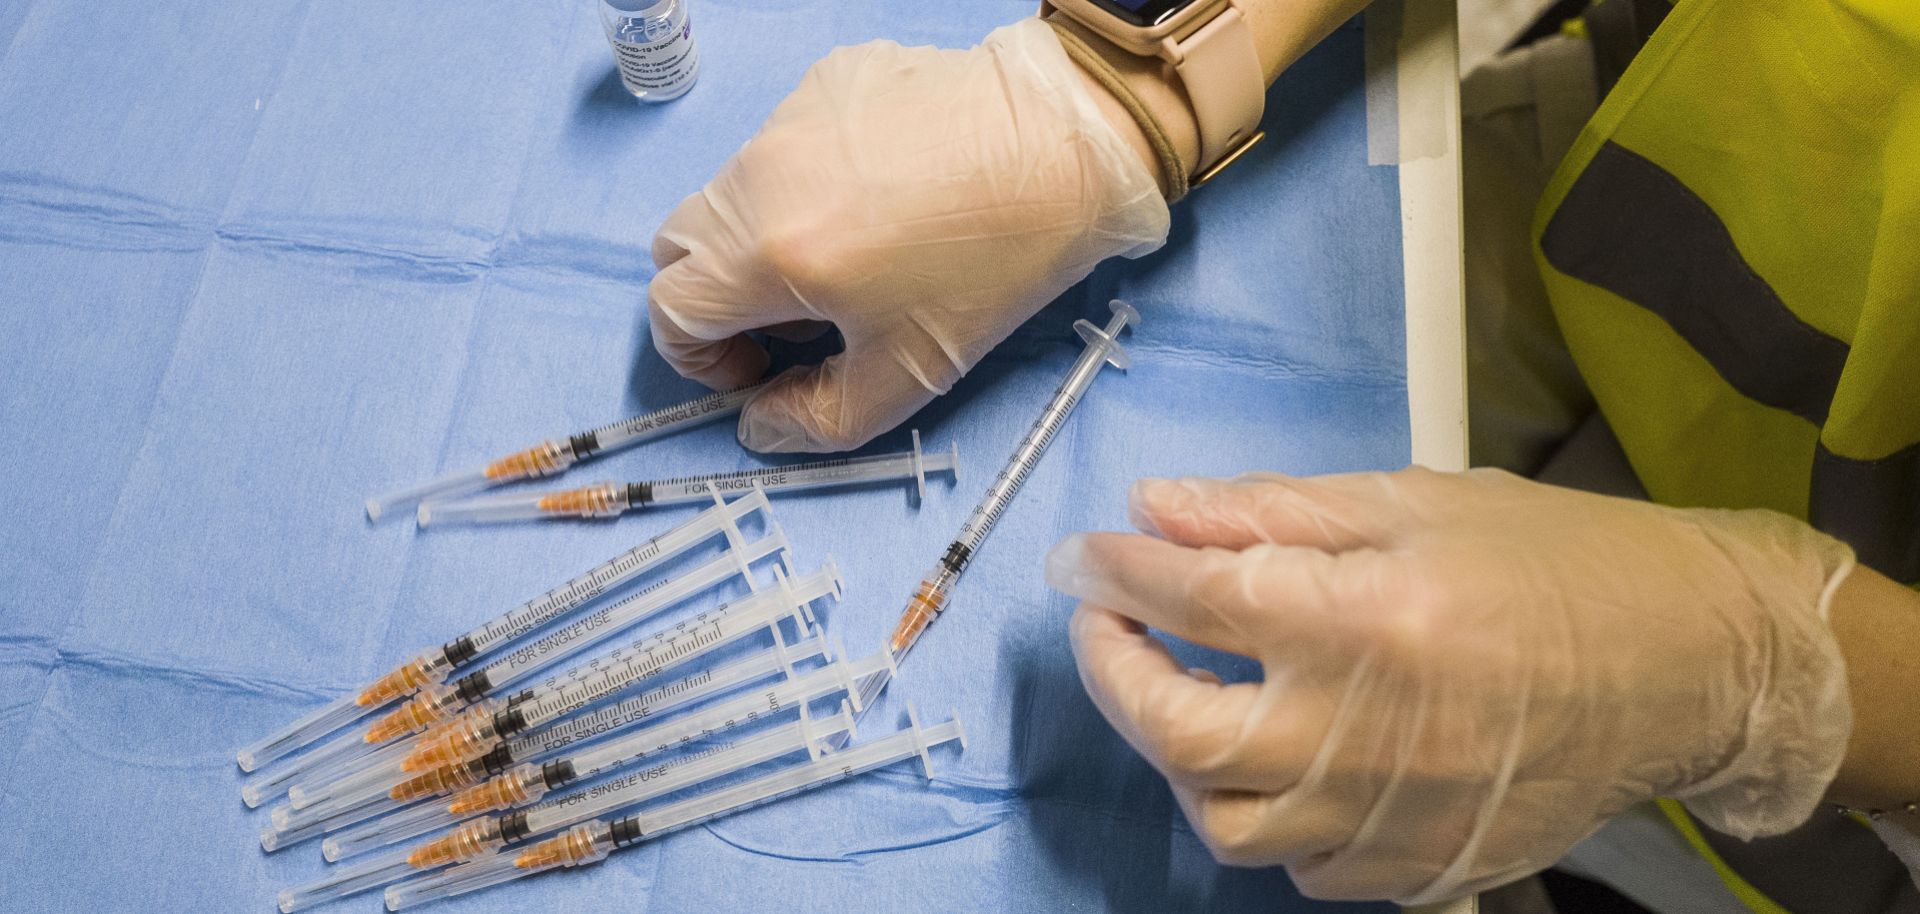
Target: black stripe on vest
{"x": 1873, "y": 505}
{"x": 1632, "y": 228}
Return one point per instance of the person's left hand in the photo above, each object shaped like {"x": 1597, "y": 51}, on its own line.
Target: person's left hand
{"x": 1465, "y": 674}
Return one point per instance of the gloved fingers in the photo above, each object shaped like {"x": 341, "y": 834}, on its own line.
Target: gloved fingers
{"x": 723, "y": 364}
{"x": 710, "y": 289}
{"x": 840, "y": 404}
{"x": 1194, "y": 730}
{"x": 1335, "y": 513}
{"x": 1147, "y": 580}
{"x": 1256, "y": 828}
{"x": 1291, "y": 597}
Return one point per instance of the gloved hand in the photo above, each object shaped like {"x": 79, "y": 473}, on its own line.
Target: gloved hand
{"x": 924, "y": 201}
{"x": 1465, "y": 674}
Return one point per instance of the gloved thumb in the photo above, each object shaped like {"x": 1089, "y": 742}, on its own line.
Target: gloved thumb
{"x": 838, "y": 405}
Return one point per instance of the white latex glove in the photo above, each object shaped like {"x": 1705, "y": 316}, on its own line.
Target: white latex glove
{"x": 924, "y": 201}
{"x": 1465, "y": 674}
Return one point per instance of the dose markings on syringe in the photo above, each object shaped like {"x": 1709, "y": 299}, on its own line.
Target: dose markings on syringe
{"x": 612, "y": 717}
{"x": 1013, "y": 476}
{"x": 629, "y": 748}
{"x": 504, "y": 670}
{"x": 544, "y": 809}
{"x": 567, "y": 597}
{"x": 704, "y": 684}
{"x": 576, "y": 688}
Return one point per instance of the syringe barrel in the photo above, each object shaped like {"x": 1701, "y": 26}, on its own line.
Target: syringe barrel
{"x": 612, "y": 573}
{"x": 629, "y": 432}
{"x": 1102, "y": 348}
{"x": 844, "y": 471}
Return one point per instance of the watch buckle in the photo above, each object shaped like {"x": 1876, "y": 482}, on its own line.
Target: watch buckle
{"x": 1216, "y": 168}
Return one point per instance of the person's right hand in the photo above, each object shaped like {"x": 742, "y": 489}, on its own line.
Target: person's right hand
{"x": 924, "y": 201}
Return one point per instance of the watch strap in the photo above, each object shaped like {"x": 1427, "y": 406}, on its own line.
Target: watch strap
{"x": 1220, "y": 68}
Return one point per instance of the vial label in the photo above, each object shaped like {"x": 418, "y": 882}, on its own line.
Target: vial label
{"x": 659, "y": 66}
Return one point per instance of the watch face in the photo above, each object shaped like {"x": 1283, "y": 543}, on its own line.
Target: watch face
{"x": 1144, "y": 13}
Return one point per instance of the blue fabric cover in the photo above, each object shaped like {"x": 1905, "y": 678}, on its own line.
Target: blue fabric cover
{"x": 263, "y": 259}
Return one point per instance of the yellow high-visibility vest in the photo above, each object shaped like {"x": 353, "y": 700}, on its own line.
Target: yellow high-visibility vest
{"x": 1732, "y": 251}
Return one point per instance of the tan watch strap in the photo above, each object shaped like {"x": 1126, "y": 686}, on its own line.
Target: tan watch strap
{"x": 1220, "y": 69}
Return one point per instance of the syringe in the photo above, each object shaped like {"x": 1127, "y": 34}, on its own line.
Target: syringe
{"x": 435, "y": 664}
{"x": 714, "y": 761}
{"x": 555, "y": 455}
{"x": 610, "y": 499}
{"x": 593, "y": 841}
{"x": 930, "y": 598}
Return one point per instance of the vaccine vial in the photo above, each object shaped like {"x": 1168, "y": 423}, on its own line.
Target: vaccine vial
{"x": 653, "y": 47}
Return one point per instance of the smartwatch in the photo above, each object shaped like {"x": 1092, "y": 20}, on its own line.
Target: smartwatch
{"x": 1209, "y": 46}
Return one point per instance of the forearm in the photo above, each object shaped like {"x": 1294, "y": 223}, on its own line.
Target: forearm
{"x": 1282, "y": 31}
{"x": 1877, "y": 623}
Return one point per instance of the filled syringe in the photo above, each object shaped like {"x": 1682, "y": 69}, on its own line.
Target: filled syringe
{"x": 555, "y": 455}
{"x": 434, "y": 664}
{"x": 592, "y": 841}
{"x": 930, "y": 598}
{"x": 610, "y": 499}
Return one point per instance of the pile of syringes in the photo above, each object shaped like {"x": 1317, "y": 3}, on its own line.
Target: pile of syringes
{"x": 578, "y": 723}
{"x": 678, "y": 681}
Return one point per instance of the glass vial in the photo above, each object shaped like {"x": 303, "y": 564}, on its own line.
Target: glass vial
{"x": 653, "y": 47}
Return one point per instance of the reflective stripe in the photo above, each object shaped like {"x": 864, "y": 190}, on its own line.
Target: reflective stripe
{"x": 1631, "y": 228}
{"x": 1874, "y": 505}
